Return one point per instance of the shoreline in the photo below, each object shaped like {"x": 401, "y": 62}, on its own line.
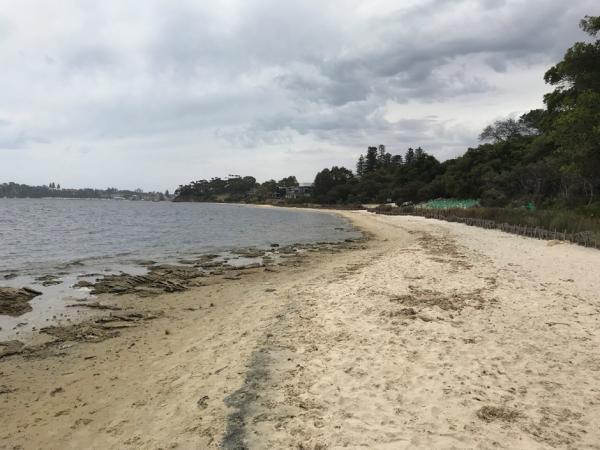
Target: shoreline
{"x": 431, "y": 336}
{"x": 57, "y": 283}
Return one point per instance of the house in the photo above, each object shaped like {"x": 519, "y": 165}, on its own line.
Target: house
{"x": 304, "y": 189}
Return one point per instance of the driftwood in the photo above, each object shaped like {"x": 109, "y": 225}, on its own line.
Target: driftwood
{"x": 584, "y": 238}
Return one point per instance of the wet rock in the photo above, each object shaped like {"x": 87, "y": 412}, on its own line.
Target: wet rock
{"x": 99, "y": 329}
{"x": 130, "y": 316}
{"x": 212, "y": 264}
{"x": 85, "y": 332}
{"x": 160, "y": 279}
{"x": 10, "y": 276}
{"x": 231, "y": 276}
{"x": 144, "y": 262}
{"x": 51, "y": 283}
{"x": 15, "y": 302}
{"x": 95, "y": 305}
{"x": 46, "y": 278}
{"x": 204, "y": 259}
{"x": 274, "y": 245}
{"x": 248, "y": 252}
{"x": 90, "y": 275}
{"x": 83, "y": 284}
{"x": 246, "y": 266}
{"x": 8, "y": 348}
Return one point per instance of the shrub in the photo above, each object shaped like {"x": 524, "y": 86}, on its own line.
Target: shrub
{"x": 493, "y": 199}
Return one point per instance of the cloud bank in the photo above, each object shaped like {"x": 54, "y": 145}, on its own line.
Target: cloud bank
{"x": 153, "y": 94}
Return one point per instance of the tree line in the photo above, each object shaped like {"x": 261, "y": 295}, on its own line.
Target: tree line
{"x": 234, "y": 188}
{"x": 16, "y": 190}
{"x": 549, "y": 156}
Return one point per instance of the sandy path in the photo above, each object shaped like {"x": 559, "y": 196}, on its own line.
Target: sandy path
{"x": 397, "y": 344}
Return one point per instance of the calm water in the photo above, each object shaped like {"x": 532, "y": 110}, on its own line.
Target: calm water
{"x": 72, "y": 238}
{"x": 38, "y": 235}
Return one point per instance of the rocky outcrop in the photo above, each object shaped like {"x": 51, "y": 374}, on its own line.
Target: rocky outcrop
{"x": 15, "y": 302}
{"x": 160, "y": 279}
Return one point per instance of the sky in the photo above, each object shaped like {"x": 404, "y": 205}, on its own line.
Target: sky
{"x": 153, "y": 94}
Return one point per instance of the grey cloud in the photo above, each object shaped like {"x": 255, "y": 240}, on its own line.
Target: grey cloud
{"x": 301, "y": 75}
{"x": 497, "y": 63}
{"x": 309, "y": 151}
{"x": 90, "y": 57}
{"x": 20, "y": 139}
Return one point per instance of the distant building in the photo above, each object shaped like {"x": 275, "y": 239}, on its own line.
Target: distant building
{"x": 303, "y": 190}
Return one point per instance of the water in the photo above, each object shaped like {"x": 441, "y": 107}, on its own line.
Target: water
{"x": 74, "y": 237}
{"x": 36, "y": 235}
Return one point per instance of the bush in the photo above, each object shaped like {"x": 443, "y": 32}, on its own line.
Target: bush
{"x": 493, "y": 199}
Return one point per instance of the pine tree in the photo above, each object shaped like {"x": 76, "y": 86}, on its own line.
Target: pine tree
{"x": 409, "y": 157}
{"x": 396, "y": 161}
{"x": 371, "y": 160}
{"x": 58, "y": 186}
{"x": 381, "y": 157}
{"x": 360, "y": 166}
{"x": 419, "y": 153}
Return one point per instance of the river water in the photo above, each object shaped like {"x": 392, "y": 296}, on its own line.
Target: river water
{"x": 69, "y": 238}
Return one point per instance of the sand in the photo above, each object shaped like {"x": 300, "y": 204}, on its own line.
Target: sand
{"x": 430, "y": 335}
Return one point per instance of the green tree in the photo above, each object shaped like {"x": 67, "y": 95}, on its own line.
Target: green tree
{"x": 577, "y": 134}
{"x": 409, "y": 156}
{"x": 327, "y": 180}
{"x": 384, "y": 159}
{"x": 360, "y": 166}
{"x": 574, "y": 106}
{"x": 503, "y": 130}
{"x": 396, "y": 162}
{"x": 371, "y": 160}
{"x": 269, "y": 186}
{"x": 577, "y": 72}
{"x": 288, "y": 182}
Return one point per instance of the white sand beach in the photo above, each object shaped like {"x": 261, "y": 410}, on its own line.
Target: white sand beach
{"x": 432, "y": 335}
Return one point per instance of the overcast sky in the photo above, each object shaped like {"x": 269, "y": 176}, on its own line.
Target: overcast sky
{"x": 153, "y": 94}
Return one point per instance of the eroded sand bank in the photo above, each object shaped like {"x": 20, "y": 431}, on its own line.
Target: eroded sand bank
{"x": 431, "y": 335}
